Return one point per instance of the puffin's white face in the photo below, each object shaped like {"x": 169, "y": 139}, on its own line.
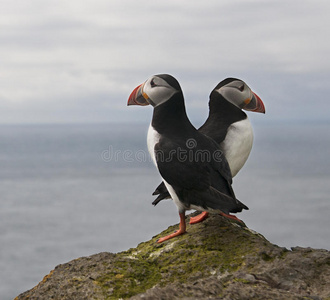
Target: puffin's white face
{"x": 236, "y": 92}
{"x": 157, "y": 91}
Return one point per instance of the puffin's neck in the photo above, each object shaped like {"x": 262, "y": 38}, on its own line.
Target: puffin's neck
{"x": 171, "y": 117}
{"x": 223, "y": 113}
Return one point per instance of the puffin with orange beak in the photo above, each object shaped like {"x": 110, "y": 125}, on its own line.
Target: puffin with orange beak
{"x": 193, "y": 181}
{"x": 229, "y": 126}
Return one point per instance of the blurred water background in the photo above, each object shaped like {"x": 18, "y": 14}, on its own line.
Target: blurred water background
{"x": 74, "y": 190}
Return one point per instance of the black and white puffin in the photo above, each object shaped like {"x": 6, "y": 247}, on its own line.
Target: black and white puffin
{"x": 229, "y": 126}
{"x": 190, "y": 163}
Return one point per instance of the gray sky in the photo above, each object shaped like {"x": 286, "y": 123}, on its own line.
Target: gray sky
{"x": 78, "y": 61}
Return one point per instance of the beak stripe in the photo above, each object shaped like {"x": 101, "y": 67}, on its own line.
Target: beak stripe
{"x": 145, "y": 96}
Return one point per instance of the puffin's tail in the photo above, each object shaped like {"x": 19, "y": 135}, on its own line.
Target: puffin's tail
{"x": 161, "y": 190}
{"x": 214, "y": 200}
{"x": 240, "y": 208}
{"x": 161, "y": 197}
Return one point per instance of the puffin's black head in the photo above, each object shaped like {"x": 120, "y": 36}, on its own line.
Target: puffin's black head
{"x": 238, "y": 93}
{"x": 156, "y": 90}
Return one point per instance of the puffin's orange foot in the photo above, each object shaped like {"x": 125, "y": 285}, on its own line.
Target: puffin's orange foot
{"x": 199, "y": 218}
{"x": 174, "y": 234}
{"x": 231, "y": 217}
{"x": 182, "y": 229}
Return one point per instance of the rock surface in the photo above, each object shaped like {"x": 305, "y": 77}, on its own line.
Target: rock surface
{"x": 216, "y": 259}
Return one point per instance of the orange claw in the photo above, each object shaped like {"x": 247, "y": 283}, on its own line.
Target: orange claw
{"x": 204, "y": 215}
{"x": 199, "y": 218}
{"x": 182, "y": 230}
{"x": 231, "y": 217}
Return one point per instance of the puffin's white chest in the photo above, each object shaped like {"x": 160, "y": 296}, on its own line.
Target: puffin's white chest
{"x": 152, "y": 139}
{"x": 238, "y": 144}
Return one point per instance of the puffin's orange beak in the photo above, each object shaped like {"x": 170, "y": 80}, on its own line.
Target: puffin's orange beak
{"x": 255, "y": 104}
{"x": 136, "y": 97}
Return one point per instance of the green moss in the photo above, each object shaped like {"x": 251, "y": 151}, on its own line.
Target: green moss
{"x": 128, "y": 277}
{"x": 199, "y": 253}
{"x": 266, "y": 257}
{"x": 242, "y": 280}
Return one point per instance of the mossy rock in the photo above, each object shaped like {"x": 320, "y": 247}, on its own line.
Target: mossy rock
{"x": 216, "y": 259}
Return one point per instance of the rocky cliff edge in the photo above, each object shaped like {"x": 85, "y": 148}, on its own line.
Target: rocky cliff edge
{"x": 216, "y": 259}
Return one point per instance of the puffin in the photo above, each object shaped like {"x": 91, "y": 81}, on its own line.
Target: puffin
{"x": 229, "y": 126}
{"x": 193, "y": 169}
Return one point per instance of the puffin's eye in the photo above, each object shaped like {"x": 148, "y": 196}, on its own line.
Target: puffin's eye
{"x": 241, "y": 88}
{"x": 152, "y": 83}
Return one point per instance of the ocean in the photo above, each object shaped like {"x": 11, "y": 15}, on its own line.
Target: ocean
{"x": 75, "y": 190}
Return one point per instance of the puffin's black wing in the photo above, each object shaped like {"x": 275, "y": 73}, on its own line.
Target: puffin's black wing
{"x": 177, "y": 168}
{"x": 220, "y": 164}
{"x": 199, "y": 183}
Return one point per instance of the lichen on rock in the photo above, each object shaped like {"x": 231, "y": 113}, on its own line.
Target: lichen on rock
{"x": 216, "y": 259}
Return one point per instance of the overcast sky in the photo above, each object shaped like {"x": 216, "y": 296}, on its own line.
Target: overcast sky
{"x": 78, "y": 61}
